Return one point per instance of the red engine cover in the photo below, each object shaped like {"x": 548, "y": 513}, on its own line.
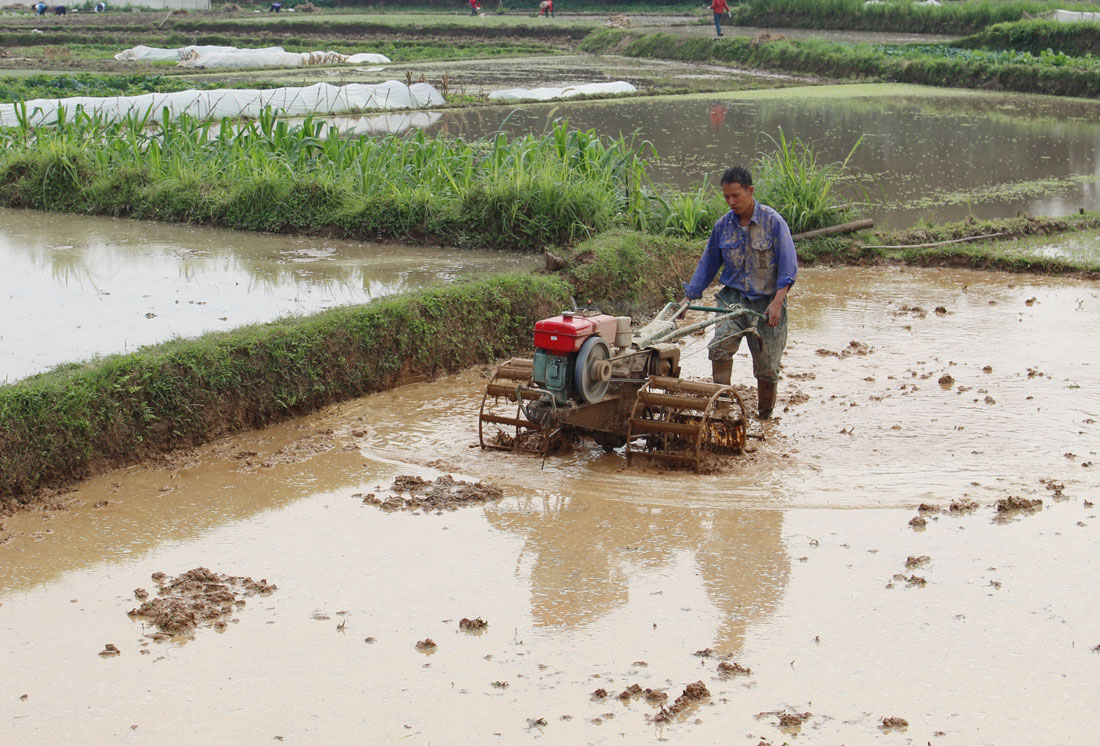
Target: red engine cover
{"x": 566, "y": 333}
{"x": 563, "y": 334}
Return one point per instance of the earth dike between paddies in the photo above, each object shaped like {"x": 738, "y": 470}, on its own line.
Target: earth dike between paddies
{"x": 935, "y": 65}
{"x": 83, "y": 419}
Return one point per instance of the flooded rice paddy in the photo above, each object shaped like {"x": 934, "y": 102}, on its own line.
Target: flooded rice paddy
{"x": 74, "y": 287}
{"x": 925, "y": 153}
{"x": 798, "y": 562}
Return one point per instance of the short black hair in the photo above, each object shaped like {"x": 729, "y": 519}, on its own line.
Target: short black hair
{"x": 737, "y": 175}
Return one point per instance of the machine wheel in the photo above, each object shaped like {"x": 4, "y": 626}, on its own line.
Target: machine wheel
{"x": 592, "y": 371}
{"x": 513, "y": 430}
{"x": 679, "y": 421}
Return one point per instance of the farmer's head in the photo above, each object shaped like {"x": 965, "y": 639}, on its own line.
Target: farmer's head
{"x": 737, "y": 190}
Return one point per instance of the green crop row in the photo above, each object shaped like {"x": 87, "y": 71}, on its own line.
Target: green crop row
{"x": 522, "y": 193}
{"x": 931, "y": 65}
{"x": 1038, "y": 36}
{"x": 966, "y": 17}
{"x": 87, "y": 84}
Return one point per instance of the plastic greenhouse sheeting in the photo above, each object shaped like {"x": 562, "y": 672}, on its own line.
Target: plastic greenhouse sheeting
{"x": 320, "y": 98}
{"x": 214, "y": 56}
{"x": 545, "y": 94}
{"x": 1069, "y": 16}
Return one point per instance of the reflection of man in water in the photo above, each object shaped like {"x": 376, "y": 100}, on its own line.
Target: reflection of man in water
{"x": 753, "y": 245}
{"x": 717, "y": 117}
{"x": 589, "y": 556}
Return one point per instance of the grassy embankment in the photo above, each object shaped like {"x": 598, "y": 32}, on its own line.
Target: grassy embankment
{"x": 264, "y": 175}
{"x": 906, "y": 16}
{"x": 938, "y": 65}
{"x": 82, "y": 419}
{"x": 47, "y": 86}
{"x": 1038, "y": 36}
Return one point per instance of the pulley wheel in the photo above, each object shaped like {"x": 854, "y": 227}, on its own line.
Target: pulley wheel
{"x": 591, "y": 373}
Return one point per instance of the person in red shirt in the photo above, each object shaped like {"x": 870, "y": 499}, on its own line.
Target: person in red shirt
{"x": 475, "y": 6}
{"x": 546, "y": 7}
{"x": 719, "y": 7}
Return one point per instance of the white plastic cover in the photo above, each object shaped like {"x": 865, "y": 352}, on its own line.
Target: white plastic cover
{"x": 142, "y": 53}
{"x": 213, "y": 56}
{"x": 320, "y": 98}
{"x": 1069, "y": 16}
{"x": 545, "y": 94}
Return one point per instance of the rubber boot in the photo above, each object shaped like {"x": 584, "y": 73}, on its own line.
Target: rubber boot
{"x": 722, "y": 370}
{"x": 765, "y": 394}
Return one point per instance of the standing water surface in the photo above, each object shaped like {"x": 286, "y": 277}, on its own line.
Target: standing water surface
{"x": 75, "y": 287}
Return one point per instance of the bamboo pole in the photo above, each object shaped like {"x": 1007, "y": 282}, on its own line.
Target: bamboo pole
{"x": 858, "y": 225}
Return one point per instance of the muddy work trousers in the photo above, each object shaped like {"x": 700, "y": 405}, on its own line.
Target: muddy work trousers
{"x": 767, "y": 351}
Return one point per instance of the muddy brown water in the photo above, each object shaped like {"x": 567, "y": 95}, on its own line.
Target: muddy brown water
{"x": 74, "y": 287}
{"x": 593, "y": 576}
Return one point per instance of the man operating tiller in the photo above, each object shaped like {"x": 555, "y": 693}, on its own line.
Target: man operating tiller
{"x": 753, "y": 245}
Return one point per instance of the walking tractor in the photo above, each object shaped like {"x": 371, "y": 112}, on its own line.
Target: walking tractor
{"x": 593, "y": 375}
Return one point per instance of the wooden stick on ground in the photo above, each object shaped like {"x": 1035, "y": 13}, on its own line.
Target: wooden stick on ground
{"x": 832, "y": 230}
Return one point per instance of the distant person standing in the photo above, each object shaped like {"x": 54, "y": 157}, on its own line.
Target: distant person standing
{"x": 546, "y": 8}
{"x": 475, "y": 6}
{"x": 719, "y": 7}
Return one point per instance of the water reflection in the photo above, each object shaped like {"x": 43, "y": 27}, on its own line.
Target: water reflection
{"x": 585, "y": 553}
{"x": 925, "y": 153}
{"x": 75, "y": 287}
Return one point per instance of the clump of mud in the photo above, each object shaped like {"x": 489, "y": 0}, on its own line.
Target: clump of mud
{"x": 1057, "y": 489}
{"x": 894, "y": 723}
{"x": 853, "y": 348}
{"x": 473, "y": 625}
{"x": 726, "y": 669}
{"x": 197, "y": 597}
{"x": 1014, "y": 504}
{"x": 693, "y": 694}
{"x": 109, "y": 651}
{"x": 444, "y": 493}
{"x": 765, "y": 37}
{"x": 426, "y": 644}
{"x": 787, "y": 719}
{"x": 912, "y": 562}
{"x": 962, "y": 505}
